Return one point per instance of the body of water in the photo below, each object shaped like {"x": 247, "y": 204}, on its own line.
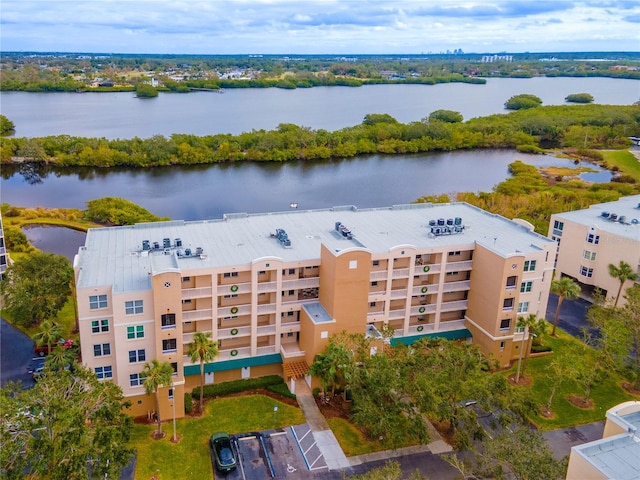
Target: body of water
{"x": 204, "y": 192}
{"x": 122, "y": 115}
{"x": 59, "y": 240}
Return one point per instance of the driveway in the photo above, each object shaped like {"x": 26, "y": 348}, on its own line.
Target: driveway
{"x": 16, "y": 354}
{"x": 573, "y": 314}
{"x": 560, "y": 441}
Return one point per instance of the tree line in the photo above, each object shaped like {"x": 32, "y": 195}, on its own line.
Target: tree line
{"x": 529, "y": 130}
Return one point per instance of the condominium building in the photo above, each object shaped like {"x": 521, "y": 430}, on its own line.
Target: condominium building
{"x": 591, "y": 239}
{"x": 617, "y": 455}
{"x": 272, "y": 288}
{"x": 4, "y": 255}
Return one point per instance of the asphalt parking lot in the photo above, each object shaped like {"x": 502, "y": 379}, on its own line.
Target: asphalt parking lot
{"x": 275, "y": 454}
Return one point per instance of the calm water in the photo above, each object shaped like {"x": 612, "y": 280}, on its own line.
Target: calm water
{"x": 194, "y": 193}
{"x": 60, "y": 240}
{"x": 122, "y": 115}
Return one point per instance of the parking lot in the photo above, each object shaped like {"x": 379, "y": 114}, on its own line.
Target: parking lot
{"x": 276, "y": 454}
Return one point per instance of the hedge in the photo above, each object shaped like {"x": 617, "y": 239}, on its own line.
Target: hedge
{"x": 188, "y": 403}
{"x": 281, "y": 389}
{"x": 236, "y": 386}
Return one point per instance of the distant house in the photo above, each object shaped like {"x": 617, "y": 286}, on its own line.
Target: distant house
{"x": 106, "y": 84}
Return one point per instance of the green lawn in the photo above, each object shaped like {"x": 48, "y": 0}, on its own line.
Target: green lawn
{"x": 605, "y": 395}
{"x": 352, "y": 441}
{"x": 190, "y": 458}
{"x": 624, "y": 160}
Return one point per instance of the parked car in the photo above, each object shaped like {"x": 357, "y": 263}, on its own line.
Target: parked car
{"x": 223, "y": 453}
{"x": 43, "y": 350}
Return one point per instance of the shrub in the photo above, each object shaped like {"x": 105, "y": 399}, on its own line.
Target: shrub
{"x": 281, "y": 389}
{"x": 188, "y": 403}
{"x": 579, "y": 98}
{"x": 540, "y": 348}
{"x": 316, "y": 392}
{"x": 236, "y": 386}
{"x": 624, "y": 179}
{"x": 523, "y": 101}
{"x": 529, "y": 149}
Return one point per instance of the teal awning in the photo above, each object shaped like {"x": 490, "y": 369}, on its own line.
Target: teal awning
{"x": 449, "y": 335}
{"x": 233, "y": 364}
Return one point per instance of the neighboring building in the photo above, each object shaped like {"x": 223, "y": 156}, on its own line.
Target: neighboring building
{"x": 272, "y": 288}
{"x": 617, "y": 455}
{"x": 591, "y": 239}
{"x": 4, "y": 255}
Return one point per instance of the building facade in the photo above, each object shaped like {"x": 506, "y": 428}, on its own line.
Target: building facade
{"x": 4, "y": 255}
{"x": 591, "y": 239}
{"x": 272, "y": 288}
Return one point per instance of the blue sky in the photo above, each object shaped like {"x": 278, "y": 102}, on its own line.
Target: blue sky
{"x": 319, "y": 26}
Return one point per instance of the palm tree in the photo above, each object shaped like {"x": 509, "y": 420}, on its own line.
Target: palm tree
{"x": 564, "y": 288}
{"x": 622, "y": 272}
{"x": 157, "y": 375}
{"x": 48, "y": 334}
{"x": 202, "y": 349}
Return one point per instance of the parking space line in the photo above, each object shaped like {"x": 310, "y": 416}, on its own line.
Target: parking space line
{"x": 295, "y": 436}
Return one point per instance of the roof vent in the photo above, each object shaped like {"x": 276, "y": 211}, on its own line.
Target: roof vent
{"x": 156, "y": 246}
{"x": 282, "y": 237}
{"x": 146, "y": 245}
{"x": 178, "y": 242}
{"x": 622, "y": 219}
{"x": 604, "y": 214}
{"x": 344, "y": 231}
{"x": 166, "y": 243}
{"x": 613, "y": 217}
{"x": 449, "y": 226}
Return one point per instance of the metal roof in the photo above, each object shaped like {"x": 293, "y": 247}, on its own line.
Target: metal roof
{"x": 115, "y": 255}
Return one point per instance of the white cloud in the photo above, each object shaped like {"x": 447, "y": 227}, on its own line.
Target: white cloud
{"x": 318, "y": 26}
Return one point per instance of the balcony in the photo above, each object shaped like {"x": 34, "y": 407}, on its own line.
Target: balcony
{"x": 267, "y": 330}
{"x": 456, "y": 286}
{"x": 397, "y": 314}
{"x": 453, "y": 306}
{"x": 290, "y": 327}
{"x": 399, "y": 293}
{"x": 378, "y": 275}
{"x": 291, "y": 350}
{"x": 400, "y": 273}
{"x": 311, "y": 282}
{"x": 233, "y": 353}
{"x": 234, "y": 289}
{"x": 459, "y": 266}
{"x": 266, "y": 287}
{"x": 191, "y": 293}
{"x": 225, "y": 333}
{"x": 266, "y": 308}
{"x": 423, "y": 309}
{"x": 422, "y": 269}
{"x": 194, "y": 315}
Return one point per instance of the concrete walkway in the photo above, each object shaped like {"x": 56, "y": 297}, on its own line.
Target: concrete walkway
{"x": 322, "y": 434}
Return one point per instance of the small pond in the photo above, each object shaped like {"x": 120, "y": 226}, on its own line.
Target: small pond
{"x": 59, "y": 240}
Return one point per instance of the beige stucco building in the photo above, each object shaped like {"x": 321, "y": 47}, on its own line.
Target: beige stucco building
{"x": 272, "y": 288}
{"x": 617, "y": 455}
{"x": 591, "y": 239}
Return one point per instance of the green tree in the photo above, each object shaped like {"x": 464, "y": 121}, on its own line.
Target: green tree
{"x": 69, "y": 425}
{"x": 534, "y": 459}
{"x": 144, "y": 90}
{"x": 49, "y": 333}
{"x": 36, "y": 287}
{"x": 523, "y": 101}
{"x": 622, "y": 273}
{"x": 564, "y": 288}
{"x": 535, "y": 327}
{"x": 202, "y": 349}
{"x": 447, "y": 116}
{"x": 157, "y": 375}
{"x": 6, "y": 126}
{"x": 579, "y": 98}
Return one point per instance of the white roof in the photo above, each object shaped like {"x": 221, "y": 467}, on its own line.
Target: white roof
{"x": 626, "y": 207}
{"x": 115, "y": 256}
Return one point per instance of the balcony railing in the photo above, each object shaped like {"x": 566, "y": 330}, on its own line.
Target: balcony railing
{"x": 193, "y": 315}
{"x": 426, "y": 269}
{"x": 399, "y": 293}
{"x": 459, "y": 266}
{"x": 456, "y": 286}
{"x": 452, "y": 306}
{"x": 267, "y": 287}
{"x": 378, "y": 275}
{"x": 200, "y": 292}
{"x": 311, "y": 282}
{"x": 400, "y": 273}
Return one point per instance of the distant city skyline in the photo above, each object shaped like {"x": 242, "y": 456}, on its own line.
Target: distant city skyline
{"x": 319, "y": 26}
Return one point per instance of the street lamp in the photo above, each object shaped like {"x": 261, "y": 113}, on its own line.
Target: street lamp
{"x": 173, "y": 389}
{"x": 524, "y": 334}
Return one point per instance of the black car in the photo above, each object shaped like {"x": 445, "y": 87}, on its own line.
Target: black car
{"x": 223, "y": 452}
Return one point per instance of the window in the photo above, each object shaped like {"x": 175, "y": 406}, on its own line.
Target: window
{"x": 169, "y": 320}
{"x": 101, "y": 349}
{"x": 104, "y": 372}
{"x": 292, "y": 271}
{"x": 505, "y": 324}
{"x": 99, "y": 326}
{"x": 525, "y": 287}
{"x": 186, "y": 301}
{"x": 133, "y": 307}
{"x": 137, "y": 356}
{"x": 234, "y": 295}
{"x": 511, "y": 282}
{"x": 593, "y": 238}
{"x": 454, "y": 254}
{"x": 186, "y": 279}
{"x": 523, "y": 307}
{"x": 451, "y": 274}
{"x": 264, "y": 272}
{"x": 97, "y": 301}
{"x": 136, "y": 380}
{"x": 137, "y": 331}
{"x": 586, "y": 272}
{"x": 374, "y": 284}
{"x": 558, "y": 227}
{"x": 529, "y": 265}
{"x": 174, "y": 367}
{"x": 230, "y": 274}
{"x": 170, "y": 394}
{"x": 376, "y": 263}
{"x": 372, "y": 304}
{"x": 501, "y": 346}
{"x": 169, "y": 345}
{"x": 507, "y": 304}
{"x": 587, "y": 255}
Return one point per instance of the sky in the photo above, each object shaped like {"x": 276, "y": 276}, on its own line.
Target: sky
{"x": 319, "y": 26}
